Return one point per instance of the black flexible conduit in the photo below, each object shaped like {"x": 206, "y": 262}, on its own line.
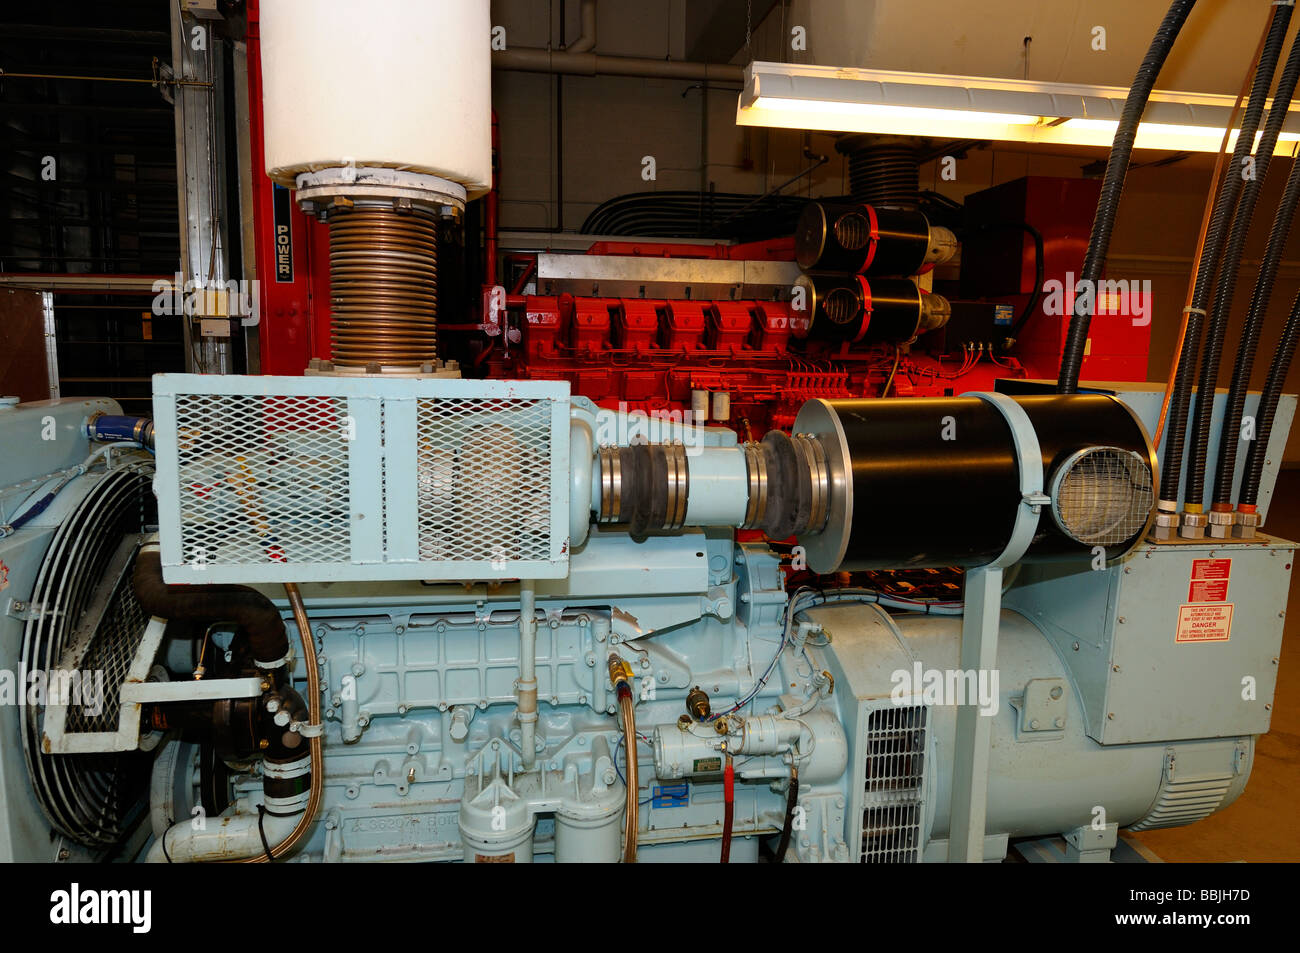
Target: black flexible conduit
{"x": 1225, "y": 288}
{"x": 1268, "y": 399}
{"x": 1259, "y": 301}
{"x": 1040, "y": 275}
{"x": 1112, "y": 187}
{"x": 1206, "y": 273}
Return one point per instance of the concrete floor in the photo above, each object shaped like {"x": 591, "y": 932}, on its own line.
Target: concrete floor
{"x": 1264, "y": 823}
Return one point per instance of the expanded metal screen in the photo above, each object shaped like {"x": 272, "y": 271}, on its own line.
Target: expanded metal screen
{"x": 893, "y": 801}
{"x": 264, "y": 479}
{"x": 1103, "y": 495}
{"x": 484, "y": 490}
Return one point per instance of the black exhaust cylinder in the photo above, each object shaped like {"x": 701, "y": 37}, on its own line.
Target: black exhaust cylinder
{"x": 861, "y": 239}
{"x": 879, "y": 311}
{"x": 936, "y": 481}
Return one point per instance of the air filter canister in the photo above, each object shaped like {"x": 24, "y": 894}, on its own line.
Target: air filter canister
{"x": 882, "y": 310}
{"x": 936, "y": 481}
{"x": 868, "y": 240}
{"x": 1098, "y": 468}
{"x": 1101, "y": 496}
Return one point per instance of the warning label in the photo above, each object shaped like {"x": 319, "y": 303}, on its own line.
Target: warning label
{"x": 1204, "y": 623}
{"x": 1209, "y": 580}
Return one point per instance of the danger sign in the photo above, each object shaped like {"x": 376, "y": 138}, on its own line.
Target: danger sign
{"x": 1204, "y": 623}
{"x": 1209, "y": 580}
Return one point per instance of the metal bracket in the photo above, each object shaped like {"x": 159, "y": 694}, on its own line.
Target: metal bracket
{"x": 1030, "y": 457}
{"x": 974, "y": 733}
{"x": 1036, "y": 500}
{"x": 1043, "y": 707}
{"x": 1091, "y": 845}
{"x": 306, "y": 730}
{"x": 24, "y": 611}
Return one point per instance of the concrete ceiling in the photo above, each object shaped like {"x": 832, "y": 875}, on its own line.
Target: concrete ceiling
{"x": 715, "y": 29}
{"x": 987, "y": 38}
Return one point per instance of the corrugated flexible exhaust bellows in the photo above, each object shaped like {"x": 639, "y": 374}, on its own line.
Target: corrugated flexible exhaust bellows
{"x": 383, "y": 286}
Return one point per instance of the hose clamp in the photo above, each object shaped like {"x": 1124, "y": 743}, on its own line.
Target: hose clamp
{"x": 611, "y": 485}
{"x": 679, "y": 484}
{"x": 814, "y": 456}
{"x": 307, "y": 730}
{"x": 756, "y": 472}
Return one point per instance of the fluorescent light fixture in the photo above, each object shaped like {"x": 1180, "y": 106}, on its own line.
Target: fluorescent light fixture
{"x": 974, "y": 107}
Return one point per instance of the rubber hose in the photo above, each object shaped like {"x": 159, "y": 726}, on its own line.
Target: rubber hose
{"x": 1225, "y": 288}
{"x": 1259, "y": 301}
{"x": 1112, "y": 187}
{"x": 728, "y": 809}
{"x": 315, "y": 744}
{"x": 107, "y": 428}
{"x": 254, "y": 613}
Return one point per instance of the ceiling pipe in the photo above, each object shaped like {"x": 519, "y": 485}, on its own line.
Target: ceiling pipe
{"x": 591, "y": 64}
{"x": 579, "y": 60}
{"x": 587, "y": 40}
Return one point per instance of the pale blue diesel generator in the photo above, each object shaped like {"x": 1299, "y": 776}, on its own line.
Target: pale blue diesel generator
{"x": 362, "y": 619}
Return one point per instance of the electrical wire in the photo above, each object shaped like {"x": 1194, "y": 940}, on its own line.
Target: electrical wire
{"x": 898, "y": 355}
{"x": 1112, "y": 188}
{"x": 1253, "y": 471}
{"x": 1198, "y": 439}
{"x": 787, "y": 828}
{"x": 1224, "y": 190}
{"x": 806, "y": 598}
{"x": 728, "y": 809}
{"x": 1260, "y": 298}
{"x": 48, "y": 497}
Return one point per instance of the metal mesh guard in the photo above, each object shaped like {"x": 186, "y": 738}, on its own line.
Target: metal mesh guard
{"x": 265, "y": 479}
{"x": 1103, "y": 496}
{"x": 484, "y": 479}
{"x": 894, "y": 785}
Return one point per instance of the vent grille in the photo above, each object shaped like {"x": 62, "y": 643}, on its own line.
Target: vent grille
{"x": 842, "y": 306}
{"x": 853, "y": 231}
{"x": 263, "y": 479}
{"x": 1184, "y": 802}
{"x": 1103, "y": 496}
{"x": 275, "y": 479}
{"x": 893, "y": 804}
{"x": 111, "y": 651}
{"x": 85, "y": 624}
{"x": 484, "y": 479}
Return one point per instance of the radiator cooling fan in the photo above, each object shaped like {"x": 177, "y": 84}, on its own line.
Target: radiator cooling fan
{"x": 85, "y": 618}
